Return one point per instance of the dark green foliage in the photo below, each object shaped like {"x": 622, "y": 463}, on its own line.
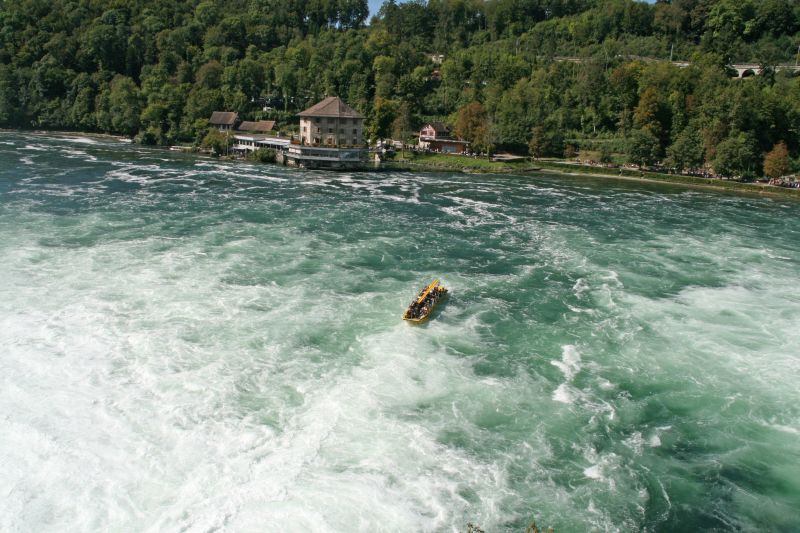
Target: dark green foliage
{"x": 216, "y": 142}
{"x": 644, "y": 147}
{"x": 9, "y": 97}
{"x": 156, "y": 70}
{"x": 606, "y": 154}
{"x": 687, "y": 151}
{"x": 737, "y": 156}
{"x": 546, "y": 142}
{"x": 472, "y": 124}
{"x": 263, "y": 155}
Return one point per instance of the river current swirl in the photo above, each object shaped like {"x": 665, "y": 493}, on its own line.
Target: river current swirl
{"x": 198, "y": 345}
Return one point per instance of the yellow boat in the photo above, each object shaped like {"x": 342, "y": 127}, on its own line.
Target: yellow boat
{"x": 422, "y": 307}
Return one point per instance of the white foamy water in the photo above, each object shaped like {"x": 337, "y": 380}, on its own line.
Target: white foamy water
{"x": 195, "y": 345}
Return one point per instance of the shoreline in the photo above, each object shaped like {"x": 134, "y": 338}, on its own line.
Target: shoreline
{"x": 504, "y": 168}
{"x": 576, "y": 171}
{"x": 735, "y": 187}
{"x": 73, "y": 133}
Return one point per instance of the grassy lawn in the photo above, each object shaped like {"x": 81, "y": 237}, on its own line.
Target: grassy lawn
{"x": 457, "y": 163}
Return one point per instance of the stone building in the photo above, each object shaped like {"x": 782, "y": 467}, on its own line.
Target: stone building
{"x": 331, "y": 122}
{"x": 331, "y": 136}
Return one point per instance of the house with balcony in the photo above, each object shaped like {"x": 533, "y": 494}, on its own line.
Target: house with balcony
{"x": 331, "y": 136}
{"x": 251, "y": 136}
{"x": 436, "y": 137}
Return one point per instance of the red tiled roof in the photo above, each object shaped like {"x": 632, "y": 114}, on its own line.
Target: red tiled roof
{"x": 224, "y": 118}
{"x": 260, "y": 125}
{"x": 332, "y": 106}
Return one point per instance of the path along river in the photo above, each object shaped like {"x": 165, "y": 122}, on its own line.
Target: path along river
{"x": 196, "y": 345}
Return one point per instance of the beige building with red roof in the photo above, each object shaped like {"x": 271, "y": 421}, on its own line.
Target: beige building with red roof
{"x": 331, "y": 122}
{"x": 331, "y": 136}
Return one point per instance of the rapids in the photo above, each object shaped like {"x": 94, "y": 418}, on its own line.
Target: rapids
{"x": 199, "y": 345}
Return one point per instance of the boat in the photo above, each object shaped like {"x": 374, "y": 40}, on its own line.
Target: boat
{"x": 422, "y": 307}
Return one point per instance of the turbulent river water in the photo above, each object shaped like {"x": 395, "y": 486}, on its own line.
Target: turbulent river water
{"x": 196, "y": 345}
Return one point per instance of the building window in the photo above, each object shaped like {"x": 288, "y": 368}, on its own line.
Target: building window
{"x": 304, "y": 129}
{"x": 355, "y": 131}
{"x": 330, "y": 130}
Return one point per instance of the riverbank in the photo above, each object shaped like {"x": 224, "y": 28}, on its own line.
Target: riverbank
{"x": 456, "y": 163}
{"x": 467, "y": 164}
{"x": 478, "y": 165}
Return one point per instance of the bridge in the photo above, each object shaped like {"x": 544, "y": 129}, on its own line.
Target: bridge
{"x": 743, "y": 70}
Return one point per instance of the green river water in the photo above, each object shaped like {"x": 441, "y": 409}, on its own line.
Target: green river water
{"x": 197, "y": 345}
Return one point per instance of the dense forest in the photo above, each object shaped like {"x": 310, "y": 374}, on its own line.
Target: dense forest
{"x": 529, "y": 76}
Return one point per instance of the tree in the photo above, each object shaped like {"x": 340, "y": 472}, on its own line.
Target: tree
{"x": 669, "y": 18}
{"x": 649, "y": 114}
{"x": 623, "y": 84}
{"x": 352, "y": 13}
{"x": 382, "y": 118}
{"x": 472, "y": 124}
{"x": 202, "y": 102}
{"x": 119, "y": 106}
{"x": 249, "y": 77}
{"x": 82, "y": 94}
{"x": 102, "y": 46}
{"x": 126, "y": 105}
{"x": 545, "y": 142}
{"x": 776, "y": 162}
{"x": 644, "y": 148}
{"x": 606, "y": 154}
{"x": 401, "y": 125}
{"x": 726, "y": 24}
{"x": 775, "y": 17}
{"x": 687, "y": 151}
{"x": 209, "y": 76}
{"x": 9, "y": 104}
{"x": 58, "y": 60}
{"x": 263, "y": 155}
{"x": 216, "y": 141}
{"x": 383, "y": 67}
{"x": 536, "y": 144}
{"x": 737, "y": 156}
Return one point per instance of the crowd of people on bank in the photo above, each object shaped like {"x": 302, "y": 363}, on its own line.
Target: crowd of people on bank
{"x": 697, "y": 173}
{"x": 778, "y": 182}
{"x": 415, "y": 149}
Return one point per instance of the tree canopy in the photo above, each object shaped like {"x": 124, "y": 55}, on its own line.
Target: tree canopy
{"x": 533, "y": 75}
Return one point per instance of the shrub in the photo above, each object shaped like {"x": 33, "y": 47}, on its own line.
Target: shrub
{"x": 262, "y": 155}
